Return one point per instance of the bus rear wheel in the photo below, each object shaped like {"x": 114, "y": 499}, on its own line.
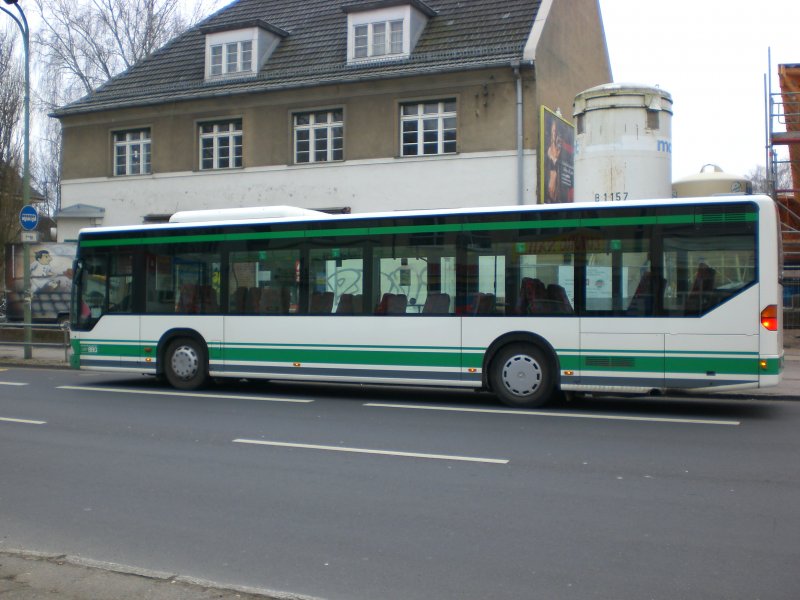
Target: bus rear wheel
{"x": 186, "y": 364}
{"x": 522, "y": 376}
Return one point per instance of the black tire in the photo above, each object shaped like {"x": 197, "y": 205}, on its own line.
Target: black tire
{"x": 186, "y": 364}
{"x": 522, "y": 376}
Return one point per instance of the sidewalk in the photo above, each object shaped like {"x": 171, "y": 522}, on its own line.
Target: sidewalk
{"x": 37, "y": 576}
{"x": 41, "y": 356}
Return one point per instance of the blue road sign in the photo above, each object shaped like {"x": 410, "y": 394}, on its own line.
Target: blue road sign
{"x": 28, "y": 217}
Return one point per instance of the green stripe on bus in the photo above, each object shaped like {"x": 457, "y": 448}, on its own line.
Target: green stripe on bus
{"x": 720, "y": 366}
{"x": 106, "y": 350}
{"x": 738, "y": 363}
{"x": 396, "y": 358}
{"x": 412, "y": 229}
{"x": 774, "y": 367}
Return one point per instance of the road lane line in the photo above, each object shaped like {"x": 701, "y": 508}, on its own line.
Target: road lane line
{"x": 558, "y": 414}
{"x": 496, "y": 461}
{"x": 12, "y": 383}
{"x": 182, "y": 394}
{"x": 24, "y": 421}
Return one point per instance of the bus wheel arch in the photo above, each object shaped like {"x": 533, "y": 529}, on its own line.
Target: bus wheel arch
{"x": 526, "y": 358}
{"x": 183, "y": 359}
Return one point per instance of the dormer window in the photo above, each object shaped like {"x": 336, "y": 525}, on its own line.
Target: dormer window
{"x": 233, "y": 57}
{"x": 241, "y": 49}
{"x": 384, "y": 29}
{"x": 378, "y": 39}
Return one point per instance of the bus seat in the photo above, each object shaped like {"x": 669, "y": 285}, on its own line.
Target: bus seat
{"x": 358, "y": 304}
{"x": 437, "y": 303}
{"x": 532, "y": 295}
{"x": 253, "y": 300}
{"x": 703, "y": 279}
{"x": 397, "y": 304}
{"x": 238, "y": 300}
{"x": 345, "y": 306}
{"x": 271, "y": 302}
{"x": 642, "y": 303}
{"x": 321, "y": 302}
{"x": 382, "y": 307}
{"x": 208, "y": 299}
{"x": 559, "y": 300}
{"x": 188, "y": 300}
{"x": 699, "y": 297}
{"x": 392, "y": 304}
{"x": 482, "y": 304}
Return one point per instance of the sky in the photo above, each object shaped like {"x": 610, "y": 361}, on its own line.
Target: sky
{"x": 712, "y": 57}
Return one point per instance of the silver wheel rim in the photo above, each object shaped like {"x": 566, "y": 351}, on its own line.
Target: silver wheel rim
{"x": 522, "y": 375}
{"x": 185, "y": 362}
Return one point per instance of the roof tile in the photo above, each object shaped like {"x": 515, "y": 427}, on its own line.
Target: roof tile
{"x": 464, "y": 34}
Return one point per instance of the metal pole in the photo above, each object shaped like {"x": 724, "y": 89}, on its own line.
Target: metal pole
{"x": 22, "y": 23}
{"x": 770, "y": 108}
{"x": 520, "y": 135}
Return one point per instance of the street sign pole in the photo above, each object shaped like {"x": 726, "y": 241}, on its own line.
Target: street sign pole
{"x": 26, "y": 299}
{"x": 28, "y": 220}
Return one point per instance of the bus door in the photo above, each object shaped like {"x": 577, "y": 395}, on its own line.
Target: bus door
{"x": 105, "y": 310}
{"x": 621, "y": 343}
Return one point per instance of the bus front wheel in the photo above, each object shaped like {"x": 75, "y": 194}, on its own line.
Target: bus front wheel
{"x": 186, "y": 367}
{"x": 522, "y": 376}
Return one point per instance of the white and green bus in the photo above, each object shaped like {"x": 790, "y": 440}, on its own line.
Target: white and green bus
{"x": 523, "y": 301}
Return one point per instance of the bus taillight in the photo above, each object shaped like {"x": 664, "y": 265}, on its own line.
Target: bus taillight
{"x": 769, "y": 318}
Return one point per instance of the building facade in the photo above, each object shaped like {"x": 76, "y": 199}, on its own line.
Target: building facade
{"x": 343, "y": 106}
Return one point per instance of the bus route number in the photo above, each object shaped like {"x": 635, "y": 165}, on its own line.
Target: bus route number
{"x": 615, "y": 196}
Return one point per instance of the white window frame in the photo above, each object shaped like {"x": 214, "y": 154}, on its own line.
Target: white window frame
{"x": 376, "y": 39}
{"x": 230, "y": 58}
{"x": 135, "y": 145}
{"x": 445, "y": 119}
{"x": 317, "y": 130}
{"x": 224, "y": 135}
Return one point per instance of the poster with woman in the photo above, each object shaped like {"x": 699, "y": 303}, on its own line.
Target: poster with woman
{"x": 557, "y": 158}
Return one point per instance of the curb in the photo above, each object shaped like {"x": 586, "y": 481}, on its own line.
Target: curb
{"x": 156, "y": 576}
{"x": 33, "y": 363}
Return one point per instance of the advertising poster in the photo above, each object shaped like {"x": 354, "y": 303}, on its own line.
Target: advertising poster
{"x": 50, "y": 280}
{"x": 557, "y": 159}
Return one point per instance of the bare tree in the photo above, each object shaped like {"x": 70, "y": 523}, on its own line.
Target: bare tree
{"x": 758, "y": 176}
{"x": 11, "y": 95}
{"x": 85, "y": 43}
{"x": 46, "y": 165}
{"x": 81, "y": 44}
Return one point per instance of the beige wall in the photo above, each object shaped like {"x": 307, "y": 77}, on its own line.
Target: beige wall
{"x": 486, "y": 121}
{"x": 572, "y": 55}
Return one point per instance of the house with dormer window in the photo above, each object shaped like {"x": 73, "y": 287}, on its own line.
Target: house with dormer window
{"x": 341, "y": 105}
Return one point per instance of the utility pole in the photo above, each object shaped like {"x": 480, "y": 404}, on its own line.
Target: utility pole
{"x": 22, "y": 23}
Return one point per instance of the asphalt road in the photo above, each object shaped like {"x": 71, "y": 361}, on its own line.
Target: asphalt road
{"x": 366, "y": 493}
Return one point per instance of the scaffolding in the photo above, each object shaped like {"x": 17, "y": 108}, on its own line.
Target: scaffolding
{"x": 783, "y": 176}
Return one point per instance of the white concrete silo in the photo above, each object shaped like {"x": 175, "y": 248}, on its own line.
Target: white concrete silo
{"x": 623, "y": 144}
